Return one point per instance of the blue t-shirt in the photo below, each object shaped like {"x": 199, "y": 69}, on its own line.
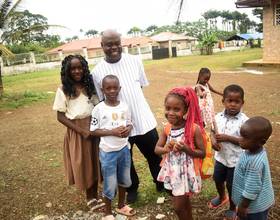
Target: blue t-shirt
{"x": 252, "y": 180}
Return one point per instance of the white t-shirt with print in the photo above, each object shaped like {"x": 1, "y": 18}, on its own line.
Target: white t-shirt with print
{"x": 230, "y": 125}
{"x": 130, "y": 72}
{"x": 110, "y": 117}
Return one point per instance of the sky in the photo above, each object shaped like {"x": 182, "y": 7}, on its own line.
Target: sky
{"x": 120, "y": 14}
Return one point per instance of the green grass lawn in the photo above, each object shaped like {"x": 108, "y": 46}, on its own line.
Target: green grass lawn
{"x": 217, "y": 62}
{"x": 24, "y": 89}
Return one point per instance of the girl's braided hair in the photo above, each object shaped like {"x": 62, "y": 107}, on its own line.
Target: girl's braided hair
{"x": 188, "y": 96}
{"x": 68, "y": 83}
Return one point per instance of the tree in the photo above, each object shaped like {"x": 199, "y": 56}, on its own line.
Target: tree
{"x": 258, "y": 12}
{"x": 5, "y": 11}
{"x": 135, "y": 31}
{"x": 207, "y": 42}
{"x": 9, "y": 9}
{"x": 91, "y": 33}
{"x": 195, "y": 28}
{"x": 151, "y": 29}
{"x": 211, "y": 16}
{"x": 22, "y": 21}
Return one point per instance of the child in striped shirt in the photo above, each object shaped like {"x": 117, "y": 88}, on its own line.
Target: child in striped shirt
{"x": 252, "y": 189}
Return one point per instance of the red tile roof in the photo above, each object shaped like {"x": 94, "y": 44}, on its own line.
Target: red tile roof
{"x": 94, "y": 43}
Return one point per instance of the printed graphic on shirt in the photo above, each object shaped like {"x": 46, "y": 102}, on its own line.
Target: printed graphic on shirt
{"x": 94, "y": 121}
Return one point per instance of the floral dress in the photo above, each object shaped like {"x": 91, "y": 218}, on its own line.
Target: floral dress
{"x": 178, "y": 169}
{"x": 206, "y": 105}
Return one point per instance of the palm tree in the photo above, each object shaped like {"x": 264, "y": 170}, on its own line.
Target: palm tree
{"x": 5, "y": 12}
{"x": 7, "y": 9}
{"x": 135, "y": 31}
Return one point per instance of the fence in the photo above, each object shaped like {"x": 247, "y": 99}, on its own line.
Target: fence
{"x": 28, "y": 62}
{"x": 17, "y": 59}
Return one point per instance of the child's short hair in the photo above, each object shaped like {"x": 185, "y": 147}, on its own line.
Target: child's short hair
{"x": 262, "y": 126}
{"x": 110, "y": 76}
{"x": 203, "y": 71}
{"x": 233, "y": 88}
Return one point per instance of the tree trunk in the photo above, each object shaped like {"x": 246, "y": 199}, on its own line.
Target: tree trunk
{"x": 1, "y": 83}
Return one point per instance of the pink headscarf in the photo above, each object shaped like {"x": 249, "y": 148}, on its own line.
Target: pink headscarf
{"x": 193, "y": 114}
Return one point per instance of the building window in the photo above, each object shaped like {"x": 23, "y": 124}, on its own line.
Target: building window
{"x": 277, "y": 14}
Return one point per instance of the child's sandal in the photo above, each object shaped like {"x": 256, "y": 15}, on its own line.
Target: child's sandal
{"x": 94, "y": 204}
{"x": 126, "y": 210}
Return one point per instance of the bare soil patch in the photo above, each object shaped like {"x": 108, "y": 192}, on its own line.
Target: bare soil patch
{"x": 31, "y": 168}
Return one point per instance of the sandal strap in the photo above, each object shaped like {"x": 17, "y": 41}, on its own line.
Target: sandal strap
{"x": 94, "y": 200}
{"x": 127, "y": 208}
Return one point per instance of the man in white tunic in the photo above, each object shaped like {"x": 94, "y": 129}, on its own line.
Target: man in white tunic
{"x": 130, "y": 71}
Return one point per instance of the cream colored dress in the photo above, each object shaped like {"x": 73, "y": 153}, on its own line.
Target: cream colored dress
{"x": 80, "y": 155}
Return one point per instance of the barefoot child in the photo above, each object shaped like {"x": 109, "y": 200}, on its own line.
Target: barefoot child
{"x": 111, "y": 120}
{"x": 181, "y": 142}
{"x": 252, "y": 189}
{"x": 228, "y": 152}
{"x": 203, "y": 90}
{"x": 74, "y": 101}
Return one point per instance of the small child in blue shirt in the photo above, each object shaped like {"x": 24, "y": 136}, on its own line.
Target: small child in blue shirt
{"x": 252, "y": 190}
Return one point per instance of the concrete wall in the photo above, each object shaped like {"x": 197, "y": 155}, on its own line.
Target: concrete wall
{"x": 271, "y": 52}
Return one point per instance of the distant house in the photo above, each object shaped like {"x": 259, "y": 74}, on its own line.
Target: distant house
{"x": 91, "y": 48}
{"x": 179, "y": 41}
{"x": 271, "y": 27}
{"x": 246, "y": 37}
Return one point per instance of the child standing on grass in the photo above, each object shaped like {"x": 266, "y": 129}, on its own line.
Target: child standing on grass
{"x": 74, "y": 101}
{"x": 226, "y": 144}
{"x": 111, "y": 120}
{"x": 182, "y": 144}
{"x": 203, "y": 90}
{"x": 252, "y": 189}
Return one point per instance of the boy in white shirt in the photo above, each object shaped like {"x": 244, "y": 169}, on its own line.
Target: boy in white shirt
{"x": 226, "y": 144}
{"x": 111, "y": 120}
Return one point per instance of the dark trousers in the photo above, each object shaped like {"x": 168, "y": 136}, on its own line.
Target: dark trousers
{"x": 257, "y": 216}
{"x": 146, "y": 144}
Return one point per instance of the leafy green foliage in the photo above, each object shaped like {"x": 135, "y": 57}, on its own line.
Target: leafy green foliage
{"x": 49, "y": 41}
{"x": 91, "y": 33}
{"x": 134, "y": 31}
{"x": 17, "y": 27}
{"x": 258, "y": 12}
{"x": 207, "y": 42}
{"x": 24, "y": 27}
{"x": 4, "y": 8}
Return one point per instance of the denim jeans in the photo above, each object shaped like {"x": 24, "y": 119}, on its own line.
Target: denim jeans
{"x": 115, "y": 168}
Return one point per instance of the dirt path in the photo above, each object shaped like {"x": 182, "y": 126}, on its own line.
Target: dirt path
{"x": 31, "y": 169}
